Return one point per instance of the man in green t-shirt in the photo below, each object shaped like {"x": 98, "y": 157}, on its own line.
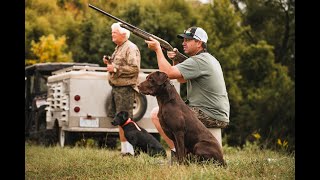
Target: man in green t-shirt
{"x": 206, "y": 90}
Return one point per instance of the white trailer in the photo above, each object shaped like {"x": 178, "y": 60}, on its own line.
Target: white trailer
{"x": 77, "y": 100}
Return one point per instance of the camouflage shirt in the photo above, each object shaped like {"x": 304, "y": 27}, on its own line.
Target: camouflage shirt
{"x": 126, "y": 58}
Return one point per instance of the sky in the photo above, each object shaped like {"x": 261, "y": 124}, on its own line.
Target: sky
{"x": 204, "y": 1}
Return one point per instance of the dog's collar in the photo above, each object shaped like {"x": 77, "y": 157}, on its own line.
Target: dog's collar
{"x": 129, "y": 121}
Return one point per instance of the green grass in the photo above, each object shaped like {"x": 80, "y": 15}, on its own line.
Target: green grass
{"x": 94, "y": 163}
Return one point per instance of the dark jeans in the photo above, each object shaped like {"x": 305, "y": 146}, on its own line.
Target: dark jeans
{"x": 122, "y": 99}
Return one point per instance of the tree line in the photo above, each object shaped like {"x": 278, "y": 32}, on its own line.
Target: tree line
{"x": 253, "y": 40}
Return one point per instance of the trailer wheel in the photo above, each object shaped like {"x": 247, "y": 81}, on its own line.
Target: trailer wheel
{"x": 139, "y": 106}
{"x": 44, "y": 137}
{"x": 62, "y": 137}
{"x": 66, "y": 138}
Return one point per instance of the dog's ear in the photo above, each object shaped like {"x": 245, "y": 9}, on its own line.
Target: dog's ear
{"x": 161, "y": 77}
{"x": 169, "y": 89}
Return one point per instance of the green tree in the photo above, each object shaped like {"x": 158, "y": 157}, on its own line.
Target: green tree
{"x": 269, "y": 93}
{"x": 47, "y": 17}
{"x": 50, "y": 49}
{"x": 274, "y": 22}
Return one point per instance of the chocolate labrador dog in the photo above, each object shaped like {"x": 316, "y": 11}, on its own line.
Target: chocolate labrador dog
{"x": 138, "y": 137}
{"x": 190, "y": 136}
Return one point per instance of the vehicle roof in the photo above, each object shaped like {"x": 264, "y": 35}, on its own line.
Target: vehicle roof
{"x": 53, "y": 66}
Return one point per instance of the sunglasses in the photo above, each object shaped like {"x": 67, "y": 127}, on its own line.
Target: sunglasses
{"x": 189, "y": 33}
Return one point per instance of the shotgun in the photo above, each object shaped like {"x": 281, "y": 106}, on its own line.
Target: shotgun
{"x": 144, "y": 35}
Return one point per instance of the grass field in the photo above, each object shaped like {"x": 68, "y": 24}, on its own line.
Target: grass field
{"x": 98, "y": 163}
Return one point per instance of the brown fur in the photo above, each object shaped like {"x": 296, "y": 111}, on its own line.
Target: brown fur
{"x": 179, "y": 123}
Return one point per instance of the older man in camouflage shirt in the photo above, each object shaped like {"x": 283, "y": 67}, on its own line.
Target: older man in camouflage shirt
{"x": 124, "y": 67}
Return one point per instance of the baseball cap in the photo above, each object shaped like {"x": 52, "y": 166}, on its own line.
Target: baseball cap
{"x": 194, "y": 33}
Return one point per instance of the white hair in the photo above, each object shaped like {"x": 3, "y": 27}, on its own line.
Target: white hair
{"x": 122, "y": 30}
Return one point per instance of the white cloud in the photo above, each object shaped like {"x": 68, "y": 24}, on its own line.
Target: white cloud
{"x": 204, "y": 1}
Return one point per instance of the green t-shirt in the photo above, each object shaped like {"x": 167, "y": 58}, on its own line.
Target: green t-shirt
{"x": 206, "y": 87}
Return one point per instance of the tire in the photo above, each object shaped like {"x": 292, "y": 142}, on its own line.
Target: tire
{"x": 38, "y": 127}
{"x": 139, "y": 106}
{"x": 65, "y": 138}
{"x": 41, "y": 119}
{"x": 44, "y": 137}
{"x": 62, "y": 137}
